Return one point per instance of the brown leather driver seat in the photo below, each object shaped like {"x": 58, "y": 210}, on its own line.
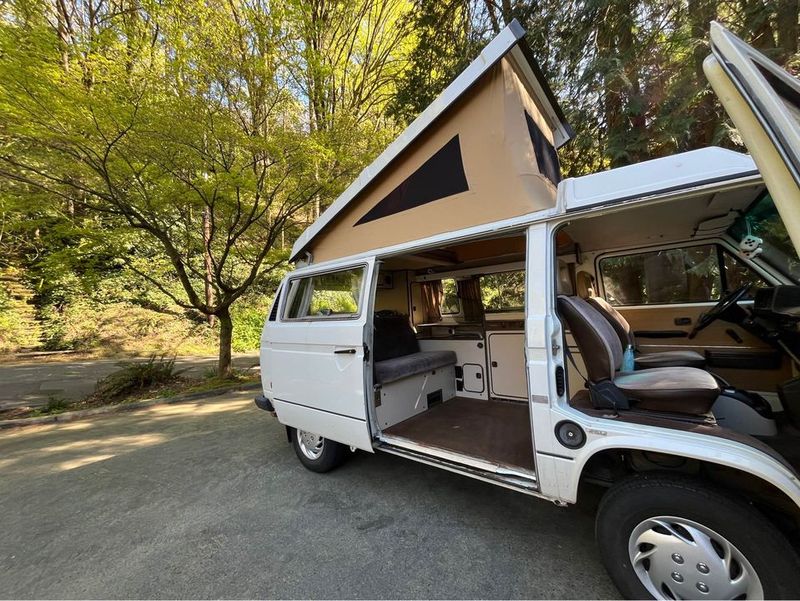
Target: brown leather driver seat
{"x": 681, "y": 358}
{"x": 671, "y": 389}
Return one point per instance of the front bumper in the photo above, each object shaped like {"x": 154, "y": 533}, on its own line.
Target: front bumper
{"x": 264, "y": 403}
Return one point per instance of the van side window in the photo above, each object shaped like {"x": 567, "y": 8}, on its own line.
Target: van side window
{"x": 736, "y": 274}
{"x": 273, "y": 314}
{"x": 694, "y": 274}
{"x": 503, "y": 292}
{"x": 450, "y": 302}
{"x": 335, "y": 294}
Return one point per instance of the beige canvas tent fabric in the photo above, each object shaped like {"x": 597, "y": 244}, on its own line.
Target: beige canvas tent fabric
{"x": 498, "y": 159}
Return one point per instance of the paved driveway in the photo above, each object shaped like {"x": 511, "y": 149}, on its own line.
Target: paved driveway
{"x": 208, "y": 500}
{"x": 33, "y": 382}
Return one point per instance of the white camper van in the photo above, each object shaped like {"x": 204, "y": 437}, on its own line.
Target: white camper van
{"x": 462, "y": 306}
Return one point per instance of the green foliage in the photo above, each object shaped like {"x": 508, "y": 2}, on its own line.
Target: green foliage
{"x": 17, "y": 329}
{"x": 56, "y": 404}
{"x": 157, "y": 159}
{"x": 503, "y": 291}
{"x": 136, "y": 376}
{"x": 173, "y": 140}
{"x": 161, "y": 143}
{"x": 450, "y": 301}
{"x": 327, "y": 302}
{"x": 123, "y": 329}
{"x": 248, "y": 322}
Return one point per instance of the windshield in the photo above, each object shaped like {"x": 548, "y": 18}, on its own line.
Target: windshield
{"x": 762, "y": 220}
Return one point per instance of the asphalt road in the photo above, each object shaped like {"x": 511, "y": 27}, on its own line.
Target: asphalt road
{"x": 207, "y": 499}
{"x": 33, "y": 382}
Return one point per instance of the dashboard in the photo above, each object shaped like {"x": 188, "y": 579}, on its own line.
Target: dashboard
{"x": 782, "y": 302}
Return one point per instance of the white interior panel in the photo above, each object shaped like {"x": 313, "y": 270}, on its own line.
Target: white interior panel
{"x": 406, "y": 398}
{"x": 507, "y": 360}
{"x": 474, "y": 380}
{"x": 471, "y": 355}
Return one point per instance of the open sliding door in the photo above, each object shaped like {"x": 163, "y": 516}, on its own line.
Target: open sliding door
{"x": 318, "y": 353}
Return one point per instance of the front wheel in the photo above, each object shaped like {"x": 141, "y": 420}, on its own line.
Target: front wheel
{"x": 317, "y": 453}
{"x": 665, "y": 537}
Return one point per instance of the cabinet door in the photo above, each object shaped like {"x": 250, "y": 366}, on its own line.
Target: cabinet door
{"x": 507, "y": 365}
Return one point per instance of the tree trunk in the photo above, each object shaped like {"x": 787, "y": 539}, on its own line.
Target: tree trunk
{"x": 225, "y": 338}
{"x": 63, "y": 33}
{"x": 788, "y": 30}
{"x": 706, "y": 119}
{"x": 490, "y": 9}
{"x": 208, "y": 263}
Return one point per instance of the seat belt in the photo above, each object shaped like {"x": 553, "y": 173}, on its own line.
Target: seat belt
{"x": 568, "y": 353}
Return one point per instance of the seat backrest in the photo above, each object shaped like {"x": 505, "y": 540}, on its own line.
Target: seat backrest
{"x": 584, "y": 284}
{"x": 393, "y": 336}
{"x": 615, "y": 318}
{"x": 598, "y": 342}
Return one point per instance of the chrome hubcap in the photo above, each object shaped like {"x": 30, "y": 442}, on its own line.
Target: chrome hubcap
{"x": 311, "y": 445}
{"x": 676, "y": 558}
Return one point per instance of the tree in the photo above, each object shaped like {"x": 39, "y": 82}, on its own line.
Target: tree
{"x": 178, "y": 112}
{"x": 628, "y": 73}
{"x": 446, "y": 36}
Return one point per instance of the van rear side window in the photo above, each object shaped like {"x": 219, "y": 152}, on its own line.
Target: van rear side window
{"x": 325, "y": 296}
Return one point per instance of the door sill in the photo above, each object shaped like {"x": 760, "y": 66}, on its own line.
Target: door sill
{"x": 515, "y": 478}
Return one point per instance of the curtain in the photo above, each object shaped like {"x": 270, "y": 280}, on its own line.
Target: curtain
{"x": 432, "y": 296}
{"x": 469, "y": 293}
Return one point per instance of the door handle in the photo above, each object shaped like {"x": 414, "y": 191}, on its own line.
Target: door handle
{"x": 347, "y": 351}
{"x": 682, "y": 321}
{"x": 734, "y": 334}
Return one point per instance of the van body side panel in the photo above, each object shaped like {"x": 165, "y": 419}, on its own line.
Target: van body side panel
{"x": 346, "y": 430}
{"x": 317, "y": 367}
{"x": 308, "y": 370}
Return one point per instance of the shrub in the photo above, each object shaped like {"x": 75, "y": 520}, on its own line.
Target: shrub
{"x": 56, "y": 404}
{"x": 124, "y": 328}
{"x": 137, "y": 376}
{"x": 248, "y": 321}
{"x": 18, "y": 327}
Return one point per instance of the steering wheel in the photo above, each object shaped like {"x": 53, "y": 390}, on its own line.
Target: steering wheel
{"x": 718, "y": 310}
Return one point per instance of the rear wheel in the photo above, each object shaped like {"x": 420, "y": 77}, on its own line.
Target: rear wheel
{"x": 665, "y": 537}
{"x": 317, "y": 453}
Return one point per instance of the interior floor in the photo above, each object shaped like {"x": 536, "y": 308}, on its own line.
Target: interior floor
{"x": 495, "y": 431}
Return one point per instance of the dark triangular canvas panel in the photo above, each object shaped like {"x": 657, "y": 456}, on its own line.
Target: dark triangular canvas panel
{"x": 440, "y": 176}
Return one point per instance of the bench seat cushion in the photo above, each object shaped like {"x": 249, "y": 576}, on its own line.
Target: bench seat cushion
{"x": 391, "y": 370}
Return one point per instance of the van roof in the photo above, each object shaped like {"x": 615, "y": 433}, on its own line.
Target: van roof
{"x": 509, "y": 40}
{"x": 657, "y": 176}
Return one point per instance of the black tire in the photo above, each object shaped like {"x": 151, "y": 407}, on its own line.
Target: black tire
{"x": 331, "y": 454}
{"x": 631, "y": 502}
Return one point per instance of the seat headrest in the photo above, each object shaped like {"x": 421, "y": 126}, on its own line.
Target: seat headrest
{"x": 600, "y": 347}
{"x": 564, "y": 280}
{"x": 585, "y": 284}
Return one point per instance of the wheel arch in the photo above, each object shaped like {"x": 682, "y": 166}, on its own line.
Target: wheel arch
{"x": 757, "y": 471}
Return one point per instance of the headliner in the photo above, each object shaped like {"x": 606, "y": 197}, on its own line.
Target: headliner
{"x": 662, "y": 222}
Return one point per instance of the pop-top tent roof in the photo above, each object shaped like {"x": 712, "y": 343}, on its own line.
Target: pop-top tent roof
{"x": 482, "y": 151}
